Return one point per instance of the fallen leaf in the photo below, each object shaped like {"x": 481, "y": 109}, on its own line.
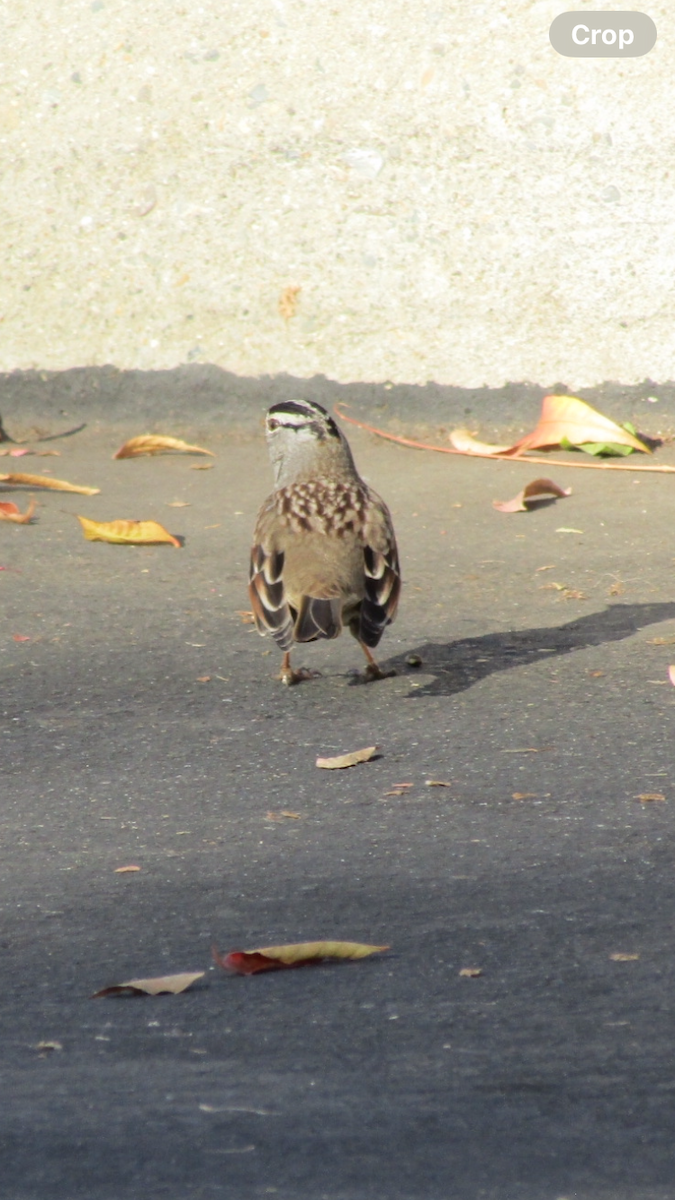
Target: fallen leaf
{"x": 203, "y": 679}
{"x": 671, "y": 674}
{"x": 648, "y": 797}
{"x": 10, "y": 512}
{"x": 569, "y": 420}
{"x": 125, "y": 870}
{"x": 288, "y": 301}
{"x": 57, "y": 485}
{"x": 299, "y": 954}
{"x": 624, "y": 957}
{"x": 532, "y": 491}
{"x": 567, "y": 529}
{"x": 466, "y": 443}
{"x": 150, "y": 443}
{"x": 20, "y": 637}
{"x": 151, "y": 987}
{"x": 201, "y": 466}
{"x": 436, "y": 783}
{"x": 347, "y": 760}
{"x": 126, "y": 532}
{"x": 660, "y": 641}
{"x": 471, "y": 972}
{"x": 49, "y": 1046}
{"x": 284, "y": 815}
{"x": 524, "y": 795}
{"x": 498, "y": 453}
{"x": 178, "y": 504}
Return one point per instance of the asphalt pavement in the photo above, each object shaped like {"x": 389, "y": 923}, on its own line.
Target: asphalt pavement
{"x": 512, "y": 842}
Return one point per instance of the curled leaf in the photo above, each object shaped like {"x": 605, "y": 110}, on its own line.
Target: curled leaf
{"x": 671, "y": 674}
{"x": 126, "y": 533}
{"x": 151, "y": 443}
{"x": 347, "y": 760}
{"x": 10, "y": 512}
{"x": 299, "y": 954}
{"x": 151, "y": 987}
{"x": 532, "y": 491}
{"x": 17, "y": 479}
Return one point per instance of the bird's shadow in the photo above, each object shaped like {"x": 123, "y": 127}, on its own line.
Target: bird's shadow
{"x": 458, "y": 665}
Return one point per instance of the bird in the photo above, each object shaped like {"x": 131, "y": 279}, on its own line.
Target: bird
{"x": 324, "y": 551}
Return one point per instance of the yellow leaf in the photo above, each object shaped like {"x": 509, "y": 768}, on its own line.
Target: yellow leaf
{"x": 150, "y": 443}
{"x": 462, "y": 440}
{"x": 152, "y": 987}
{"x": 18, "y": 479}
{"x": 471, "y": 972}
{"x": 301, "y": 951}
{"x": 624, "y": 957}
{"x": 129, "y": 533}
{"x": 347, "y": 760}
{"x": 648, "y": 797}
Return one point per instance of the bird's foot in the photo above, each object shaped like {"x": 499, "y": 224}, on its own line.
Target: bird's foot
{"x": 288, "y": 676}
{"x": 373, "y": 672}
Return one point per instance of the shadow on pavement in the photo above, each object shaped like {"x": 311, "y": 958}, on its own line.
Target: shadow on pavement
{"x": 458, "y": 665}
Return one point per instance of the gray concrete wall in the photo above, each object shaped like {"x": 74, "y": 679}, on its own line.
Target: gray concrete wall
{"x": 367, "y": 190}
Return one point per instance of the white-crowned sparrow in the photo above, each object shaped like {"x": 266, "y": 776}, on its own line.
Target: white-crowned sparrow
{"x": 324, "y": 552}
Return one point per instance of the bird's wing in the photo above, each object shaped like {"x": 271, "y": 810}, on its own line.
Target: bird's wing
{"x": 266, "y": 587}
{"x": 382, "y": 573}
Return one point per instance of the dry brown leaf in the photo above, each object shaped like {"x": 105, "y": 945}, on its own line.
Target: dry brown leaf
{"x": 125, "y": 870}
{"x": 126, "y": 533}
{"x": 18, "y": 479}
{"x": 288, "y": 301}
{"x": 283, "y": 815}
{"x": 471, "y": 972}
{"x": 203, "y": 679}
{"x": 10, "y": 512}
{"x": 624, "y": 957}
{"x": 347, "y": 760}
{"x": 569, "y": 419}
{"x": 648, "y": 797}
{"x": 201, "y": 466}
{"x": 299, "y": 954}
{"x": 532, "y": 491}
{"x": 660, "y": 641}
{"x": 151, "y": 987}
{"x": 436, "y": 783}
{"x": 671, "y": 674}
{"x": 151, "y": 443}
{"x": 524, "y": 795}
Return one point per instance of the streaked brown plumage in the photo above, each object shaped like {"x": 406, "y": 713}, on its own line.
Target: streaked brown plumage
{"x": 324, "y": 551}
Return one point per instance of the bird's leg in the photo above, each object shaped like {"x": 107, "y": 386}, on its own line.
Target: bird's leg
{"x": 288, "y": 676}
{"x": 373, "y": 670}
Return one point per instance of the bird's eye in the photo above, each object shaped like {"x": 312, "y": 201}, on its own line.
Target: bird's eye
{"x": 272, "y": 424}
